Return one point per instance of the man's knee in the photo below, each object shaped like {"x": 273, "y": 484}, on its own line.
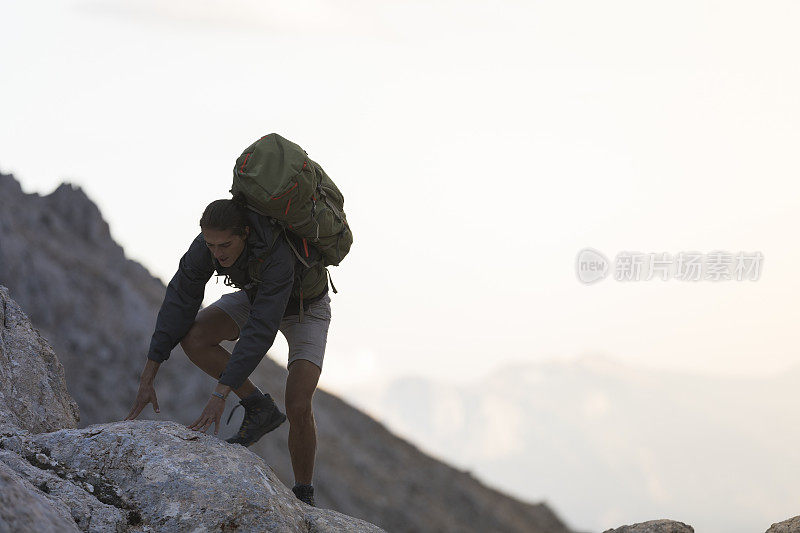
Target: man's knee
{"x": 300, "y": 386}
{"x": 298, "y": 410}
{"x": 195, "y": 340}
{"x": 210, "y": 328}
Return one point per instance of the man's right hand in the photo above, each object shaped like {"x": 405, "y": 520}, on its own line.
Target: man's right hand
{"x": 146, "y": 394}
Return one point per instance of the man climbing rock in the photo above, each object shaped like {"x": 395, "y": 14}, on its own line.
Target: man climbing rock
{"x": 255, "y": 254}
{"x": 273, "y": 241}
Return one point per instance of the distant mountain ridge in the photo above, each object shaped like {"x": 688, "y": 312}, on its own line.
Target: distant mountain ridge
{"x": 98, "y": 310}
{"x": 717, "y": 452}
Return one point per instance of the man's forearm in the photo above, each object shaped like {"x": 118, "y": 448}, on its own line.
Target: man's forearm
{"x": 150, "y": 370}
{"x": 182, "y": 300}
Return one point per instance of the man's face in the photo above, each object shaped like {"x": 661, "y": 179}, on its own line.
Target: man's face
{"x": 224, "y": 245}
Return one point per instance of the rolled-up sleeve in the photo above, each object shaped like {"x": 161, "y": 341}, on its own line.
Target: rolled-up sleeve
{"x": 182, "y": 300}
{"x": 262, "y": 325}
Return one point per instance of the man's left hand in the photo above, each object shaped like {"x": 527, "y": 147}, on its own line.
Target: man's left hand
{"x": 211, "y": 414}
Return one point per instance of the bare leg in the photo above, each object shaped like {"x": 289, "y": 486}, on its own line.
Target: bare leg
{"x": 300, "y": 386}
{"x": 201, "y": 344}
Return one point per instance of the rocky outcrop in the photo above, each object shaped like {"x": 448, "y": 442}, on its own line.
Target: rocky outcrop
{"x": 158, "y": 476}
{"x": 654, "y": 526}
{"x": 98, "y": 310}
{"x": 23, "y": 509}
{"x": 787, "y": 526}
{"x": 33, "y": 393}
{"x": 125, "y": 476}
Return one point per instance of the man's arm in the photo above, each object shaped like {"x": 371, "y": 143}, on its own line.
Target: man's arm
{"x": 182, "y": 300}
{"x": 259, "y": 332}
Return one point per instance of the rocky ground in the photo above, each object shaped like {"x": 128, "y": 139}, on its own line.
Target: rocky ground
{"x": 123, "y": 476}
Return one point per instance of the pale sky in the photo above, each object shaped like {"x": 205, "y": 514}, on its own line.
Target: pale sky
{"x": 479, "y": 146}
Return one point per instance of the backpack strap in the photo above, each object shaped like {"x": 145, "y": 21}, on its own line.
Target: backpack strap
{"x": 331, "y": 280}
{"x": 291, "y": 245}
{"x": 259, "y": 255}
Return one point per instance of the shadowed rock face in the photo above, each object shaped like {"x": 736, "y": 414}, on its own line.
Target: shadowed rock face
{"x": 33, "y": 393}
{"x": 23, "y": 509}
{"x": 98, "y": 310}
{"x": 125, "y": 476}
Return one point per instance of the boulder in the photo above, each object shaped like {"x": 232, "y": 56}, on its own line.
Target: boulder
{"x": 160, "y": 476}
{"x": 654, "y": 526}
{"x": 33, "y": 392}
{"x": 787, "y": 526}
{"x": 22, "y": 508}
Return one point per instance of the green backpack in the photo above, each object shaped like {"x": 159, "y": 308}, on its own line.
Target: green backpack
{"x": 279, "y": 180}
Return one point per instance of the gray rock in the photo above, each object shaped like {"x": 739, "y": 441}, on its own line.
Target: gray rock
{"x": 179, "y": 479}
{"x": 33, "y": 392}
{"x": 23, "y": 508}
{"x": 65, "y": 493}
{"x": 654, "y": 526}
{"x": 787, "y": 526}
{"x": 161, "y": 476}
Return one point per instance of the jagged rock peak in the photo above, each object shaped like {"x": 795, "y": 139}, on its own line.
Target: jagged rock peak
{"x": 9, "y": 185}
{"x": 68, "y": 204}
{"x": 81, "y": 213}
{"x": 72, "y": 191}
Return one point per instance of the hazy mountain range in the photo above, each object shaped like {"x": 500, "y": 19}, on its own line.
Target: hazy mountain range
{"x": 609, "y": 442}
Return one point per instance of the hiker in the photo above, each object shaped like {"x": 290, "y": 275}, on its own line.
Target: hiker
{"x": 233, "y": 238}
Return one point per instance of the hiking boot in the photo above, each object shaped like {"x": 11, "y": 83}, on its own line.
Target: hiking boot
{"x": 304, "y": 493}
{"x": 261, "y": 416}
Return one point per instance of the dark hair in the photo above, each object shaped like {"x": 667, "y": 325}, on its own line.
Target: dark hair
{"x": 224, "y": 215}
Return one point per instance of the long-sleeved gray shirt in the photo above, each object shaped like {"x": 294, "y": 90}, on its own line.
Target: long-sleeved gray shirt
{"x": 269, "y": 300}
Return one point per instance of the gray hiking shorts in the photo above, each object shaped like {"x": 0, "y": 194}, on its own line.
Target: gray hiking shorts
{"x": 306, "y": 339}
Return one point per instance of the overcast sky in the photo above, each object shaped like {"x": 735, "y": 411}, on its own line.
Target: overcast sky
{"x": 479, "y": 146}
